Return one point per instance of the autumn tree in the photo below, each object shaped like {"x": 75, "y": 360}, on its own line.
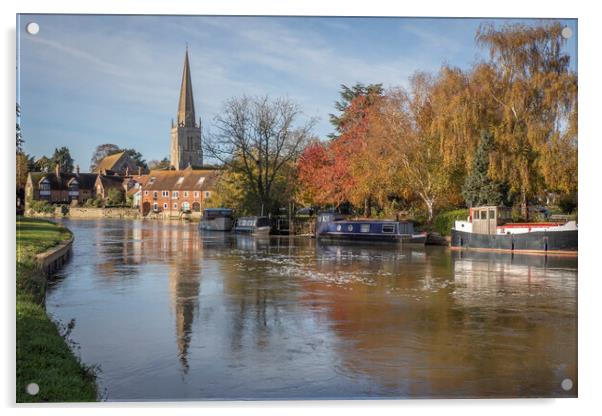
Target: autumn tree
{"x": 534, "y": 93}
{"x": 257, "y": 137}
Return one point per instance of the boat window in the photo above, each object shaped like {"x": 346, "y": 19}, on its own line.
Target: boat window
{"x": 339, "y": 227}
{"x": 484, "y": 214}
{"x": 491, "y": 214}
{"x": 388, "y": 228}
{"x": 365, "y": 228}
{"x": 350, "y": 227}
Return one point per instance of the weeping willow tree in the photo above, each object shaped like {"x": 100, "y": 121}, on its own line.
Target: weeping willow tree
{"x": 534, "y": 94}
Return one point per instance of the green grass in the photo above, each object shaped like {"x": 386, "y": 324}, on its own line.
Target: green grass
{"x": 43, "y": 354}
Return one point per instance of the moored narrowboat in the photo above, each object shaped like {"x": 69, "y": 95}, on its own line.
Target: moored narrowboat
{"x": 332, "y": 226}
{"x": 253, "y": 225}
{"x": 490, "y": 228}
{"x": 217, "y": 219}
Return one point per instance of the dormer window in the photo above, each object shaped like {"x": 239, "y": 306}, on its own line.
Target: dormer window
{"x": 180, "y": 180}
{"x": 151, "y": 180}
{"x": 201, "y": 180}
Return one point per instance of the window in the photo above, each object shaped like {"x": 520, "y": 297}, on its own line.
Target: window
{"x": 145, "y": 193}
{"x": 155, "y": 207}
{"x": 175, "y": 205}
{"x": 175, "y": 194}
{"x": 388, "y": 228}
{"x": 196, "y": 194}
{"x": 350, "y": 227}
{"x": 165, "y": 205}
{"x": 491, "y": 214}
{"x": 365, "y": 228}
{"x": 207, "y": 193}
{"x": 185, "y": 194}
{"x": 484, "y": 214}
{"x": 151, "y": 180}
{"x": 165, "y": 193}
{"x": 201, "y": 180}
{"x": 339, "y": 227}
{"x": 155, "y": 194}
{"x": 180, "y": 180}
{"x": 45, "y": 187}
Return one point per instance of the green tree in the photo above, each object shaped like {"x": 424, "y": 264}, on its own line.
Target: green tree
{"x": 136, "y": 158}
{"x": 63, "y": 158}
{"x": 342, "y": 122}
{"x": 479, "y": 188}
{"x": 115, "y": 197}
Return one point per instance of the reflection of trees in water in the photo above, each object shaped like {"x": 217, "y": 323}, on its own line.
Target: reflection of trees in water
{"x": 257, "y": 299}
{"x": 412, "y": 333}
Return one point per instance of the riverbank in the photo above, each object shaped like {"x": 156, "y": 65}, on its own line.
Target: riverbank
{"x": 43, "y": 354}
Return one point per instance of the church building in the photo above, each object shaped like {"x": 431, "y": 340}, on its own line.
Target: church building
{"x": 186, "y": 150}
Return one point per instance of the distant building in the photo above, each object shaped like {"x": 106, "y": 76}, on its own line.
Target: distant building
{"x": 60, "y": 188}
{"x": 104, "y": 183}
{"x": 116, "y": 164}
{"x": 173, "y": 192}
{"x": 186, "y": 147}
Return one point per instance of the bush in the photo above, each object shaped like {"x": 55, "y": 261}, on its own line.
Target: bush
{"x": 41, "y": 207}
{"x": 444, "y": 221}
{"x": 115, "y": 198}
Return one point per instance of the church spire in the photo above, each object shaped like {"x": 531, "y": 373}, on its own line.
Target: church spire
{"x": 186, "y": 115}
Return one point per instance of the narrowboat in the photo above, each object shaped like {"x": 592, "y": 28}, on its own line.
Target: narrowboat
{"x": 217, "y": 219}
{"x": 253, "y": 225}
{"x": 490, "y": 228}
{"x": 332, "y": 226}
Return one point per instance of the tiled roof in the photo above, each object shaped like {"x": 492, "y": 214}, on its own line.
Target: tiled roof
{"x": 187, "y": 179}
{"x": 109, "y": 162}
{"x": 85, "y": 180}
{"x": 110, "y": 181}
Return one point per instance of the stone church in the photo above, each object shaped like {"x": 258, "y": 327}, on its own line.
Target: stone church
{"x": 186, "y": 150}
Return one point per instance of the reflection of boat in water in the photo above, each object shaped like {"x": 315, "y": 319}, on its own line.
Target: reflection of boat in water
{"x": 253, "y": 226}
{"x": 332, "y": 226}
{"x": 251, "y": 243}
{"x": 488, "y": 228}
{"x": 217, "y": 219}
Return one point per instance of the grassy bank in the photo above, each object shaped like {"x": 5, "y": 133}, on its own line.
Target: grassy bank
{"x": 444, "y": 221}
{"x": 43, "y": 355}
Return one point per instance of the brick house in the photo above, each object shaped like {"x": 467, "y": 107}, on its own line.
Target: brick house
{"x": 172, "y": 192}
{"x": 104, "y": 183}
{"x": 60, "y": 188}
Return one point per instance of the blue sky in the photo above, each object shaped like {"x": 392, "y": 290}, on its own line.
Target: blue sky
{"x": 85, "y": 80}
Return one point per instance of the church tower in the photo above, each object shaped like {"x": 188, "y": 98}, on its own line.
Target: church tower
{"x": 186, "y": 147}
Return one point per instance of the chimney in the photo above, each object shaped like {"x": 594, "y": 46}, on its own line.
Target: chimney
{"x": 77, "y": 170}
{"x": 57, "y": 170}
{"x": 139, "y": 170}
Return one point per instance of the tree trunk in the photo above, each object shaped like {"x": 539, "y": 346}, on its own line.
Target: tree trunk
{"x": 367, "y": 207}
{"x": 524, "y": 206}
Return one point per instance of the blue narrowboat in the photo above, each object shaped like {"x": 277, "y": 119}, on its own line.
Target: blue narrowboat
{"x": 331, "y": 226}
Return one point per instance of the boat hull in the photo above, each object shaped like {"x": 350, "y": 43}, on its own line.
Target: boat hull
{"x": 216, "y": 224}
{"x": 535, "y": 242}
{"x": 252, "y": 230}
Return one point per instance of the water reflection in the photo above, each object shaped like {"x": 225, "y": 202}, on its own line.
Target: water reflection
{"x": 173, "y": 314}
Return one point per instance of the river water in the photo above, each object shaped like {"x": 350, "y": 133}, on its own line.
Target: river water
{"x": 168, "y": 313}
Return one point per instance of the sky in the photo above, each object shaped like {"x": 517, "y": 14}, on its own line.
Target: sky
{"x": 85, "y": 80}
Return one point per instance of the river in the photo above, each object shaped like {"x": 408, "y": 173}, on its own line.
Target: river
{"x": 167, "y": 313}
